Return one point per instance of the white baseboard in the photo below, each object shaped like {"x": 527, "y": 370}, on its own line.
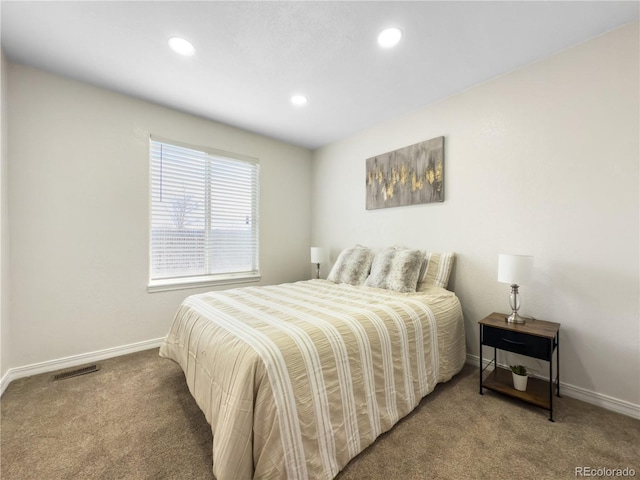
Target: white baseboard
{"x": 588, "y": 396}
{"x": 74, "y": 361}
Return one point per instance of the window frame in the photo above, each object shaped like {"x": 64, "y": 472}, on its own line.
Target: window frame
{"x": 214, "y": 279}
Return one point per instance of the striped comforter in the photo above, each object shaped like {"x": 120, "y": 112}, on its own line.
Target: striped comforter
{"x": 297, "y": 379}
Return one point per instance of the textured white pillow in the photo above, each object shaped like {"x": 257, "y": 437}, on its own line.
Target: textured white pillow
{"x": 352, "y": 266}
{"x": 396, "y": 269}
{"x": 436, "y": 270}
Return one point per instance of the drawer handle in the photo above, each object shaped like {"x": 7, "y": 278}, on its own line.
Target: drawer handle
{"x": 513, "y": 341}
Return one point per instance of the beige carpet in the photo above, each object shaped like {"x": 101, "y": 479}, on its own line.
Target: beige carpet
{"x": 135, "y": 419}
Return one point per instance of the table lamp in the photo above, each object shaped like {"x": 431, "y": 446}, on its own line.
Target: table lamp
{"x": 319, "y": 255}
{"x": 516, "y": 270}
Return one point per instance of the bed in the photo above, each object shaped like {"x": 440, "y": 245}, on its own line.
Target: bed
{"x": 297, "y": 379}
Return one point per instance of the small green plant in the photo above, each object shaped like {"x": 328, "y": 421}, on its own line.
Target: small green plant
{"x": 518, "y": 369}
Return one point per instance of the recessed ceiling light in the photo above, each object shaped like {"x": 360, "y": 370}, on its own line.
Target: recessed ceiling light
{"x": 390, "y": 37}
{"x": 298, "y": 99}
{"x": 181, "y": 46}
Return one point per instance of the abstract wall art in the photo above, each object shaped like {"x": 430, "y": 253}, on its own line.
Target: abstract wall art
{"x": 408, "y": 176}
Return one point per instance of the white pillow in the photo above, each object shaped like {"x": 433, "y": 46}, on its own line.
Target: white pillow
{"x": 436, "y": 270}
{"x": 396, "y": 269}
{"x": 352, "y": 266}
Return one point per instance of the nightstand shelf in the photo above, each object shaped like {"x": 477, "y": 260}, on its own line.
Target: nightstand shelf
{"x": 537, "y": 393}
{"x": 534, "y": 338}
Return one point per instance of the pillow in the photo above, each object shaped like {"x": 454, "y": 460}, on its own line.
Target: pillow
{"x": 352, "y": 266}
{"x": 396, "y": 270}
{"x": 436, "y": 270}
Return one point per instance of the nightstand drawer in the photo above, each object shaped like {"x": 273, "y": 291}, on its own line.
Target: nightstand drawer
{"x": 516, "y": 342}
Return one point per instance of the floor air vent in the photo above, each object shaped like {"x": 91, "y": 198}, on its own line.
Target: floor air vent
{"x": 77, "y": 372}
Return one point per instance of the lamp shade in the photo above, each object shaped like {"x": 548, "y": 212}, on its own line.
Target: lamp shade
{"x": 319, "y": 255}
{"x": 515, "y": 269}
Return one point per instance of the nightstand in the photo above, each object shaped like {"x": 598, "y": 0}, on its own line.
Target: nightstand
{"x": 534, "y": 338}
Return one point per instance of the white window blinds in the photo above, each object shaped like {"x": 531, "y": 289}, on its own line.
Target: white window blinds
{"x": 204, "y": 213}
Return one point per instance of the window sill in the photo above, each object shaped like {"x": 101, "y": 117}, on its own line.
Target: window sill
{"x": 199, "y": 282}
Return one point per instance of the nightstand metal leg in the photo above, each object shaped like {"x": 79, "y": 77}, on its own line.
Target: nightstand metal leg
{"x": 480, "y": 355}
{"x": 551, "y": 386}
{"x": 558, "y": 362}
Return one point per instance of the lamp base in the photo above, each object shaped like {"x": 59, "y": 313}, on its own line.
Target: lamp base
{"x": 515, "y": 318}
{"x": 514, "y": 303}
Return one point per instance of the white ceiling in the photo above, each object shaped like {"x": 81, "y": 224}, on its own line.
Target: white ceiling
{"x": 252, "y": 56}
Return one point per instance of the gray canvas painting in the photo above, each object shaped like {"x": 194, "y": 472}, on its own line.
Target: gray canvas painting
{"x": 408, "y": 176}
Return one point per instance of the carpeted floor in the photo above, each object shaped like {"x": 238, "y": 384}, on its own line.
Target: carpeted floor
{"x": 135, "y": 419}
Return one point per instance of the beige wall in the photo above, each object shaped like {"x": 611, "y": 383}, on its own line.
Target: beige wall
{"x": 542, "y": 161}
{"x": 4, "y": 220}
{"x": 79, "y": 214}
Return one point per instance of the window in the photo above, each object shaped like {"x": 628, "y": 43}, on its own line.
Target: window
{"x": 204, "y": 216}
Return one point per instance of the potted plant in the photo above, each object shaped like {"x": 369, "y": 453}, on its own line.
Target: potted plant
{"x": 519, "y": 374}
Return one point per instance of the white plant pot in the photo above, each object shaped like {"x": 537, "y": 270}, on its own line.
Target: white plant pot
{"x": 519, "y": 382}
